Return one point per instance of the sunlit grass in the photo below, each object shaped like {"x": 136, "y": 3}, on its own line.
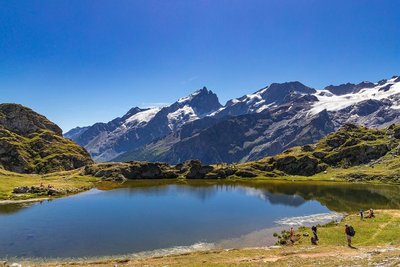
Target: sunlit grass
{"x": 64, "y": 181}
{"x": 381, "y": 230}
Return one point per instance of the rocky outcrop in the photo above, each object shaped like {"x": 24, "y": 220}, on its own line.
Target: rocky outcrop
{"x": 24, "y": 121}
{"x": 356, "y": 155}
{"x": 30, "y": 143}
{"x": 38, "y": 190}
{"x": 192, "y": 169}
{"x": 303, "y": 165}
{"x": 131, "y": 170}
{"x": 351, "y": 145}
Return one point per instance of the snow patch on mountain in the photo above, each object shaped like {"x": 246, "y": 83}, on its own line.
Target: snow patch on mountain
{"x": 263, "y": 107}
{"x": 255, "y": 99}
{"x": 142, "y": 117}
{"x": 331, "y": 102}
{"x": 181, "y": 116}
{"x": 189, "y": 97}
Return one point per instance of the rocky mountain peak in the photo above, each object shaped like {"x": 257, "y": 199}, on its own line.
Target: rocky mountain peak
{"x": 277, "y": 92}
{"x": 349, "y": 88}
{"x": 203, "y": 101}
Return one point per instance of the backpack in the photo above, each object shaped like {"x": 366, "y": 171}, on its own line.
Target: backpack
{"x": 352, "y": 232}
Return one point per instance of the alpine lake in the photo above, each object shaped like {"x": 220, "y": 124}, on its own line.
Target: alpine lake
{"x": 162, "y": 215}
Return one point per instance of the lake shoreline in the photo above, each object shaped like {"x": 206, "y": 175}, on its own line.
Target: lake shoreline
{"x": 23, "y": 201}
{"x": 94, "y": 182}
{"x": 259, "y": 239}
{"x": 327, "y": 254}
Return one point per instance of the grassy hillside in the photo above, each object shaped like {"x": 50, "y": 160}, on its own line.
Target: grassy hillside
{"x": 353, "y": 153}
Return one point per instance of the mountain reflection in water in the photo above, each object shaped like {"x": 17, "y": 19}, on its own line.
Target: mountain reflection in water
{"x": 339, "y": 197}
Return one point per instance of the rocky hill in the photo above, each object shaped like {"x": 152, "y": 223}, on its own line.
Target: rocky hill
{"x": 30, "y": 143}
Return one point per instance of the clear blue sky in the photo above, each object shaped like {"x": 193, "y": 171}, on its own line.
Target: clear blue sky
{"x": 79, "y": 62}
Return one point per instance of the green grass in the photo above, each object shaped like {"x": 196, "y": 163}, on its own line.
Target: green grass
{"x": 68, "y": 182}
{"x": 353, "y": 153}
{"x": 378, "y": 231}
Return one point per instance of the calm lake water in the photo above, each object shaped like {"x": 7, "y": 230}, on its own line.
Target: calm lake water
{"x": 142, "y": 217}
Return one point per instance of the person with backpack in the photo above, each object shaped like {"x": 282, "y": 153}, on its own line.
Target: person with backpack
{"x": 313, "y": 241}
{"x": 350, "y": 233}
{"x": 314, "y": 231}
{"x": 371, "y": 213}
{"x": 291, "y": 235}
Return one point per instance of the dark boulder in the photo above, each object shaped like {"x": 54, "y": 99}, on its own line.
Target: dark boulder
{"x": 197, "y": 170}
{"x": 307, "y": 148}
{"x": 356, "y": 155}
{"x": 131, "y": 170}
{"x": 246, "y": 173}
{"x": 21, "y": 190}
{"x": 298, "y": 165}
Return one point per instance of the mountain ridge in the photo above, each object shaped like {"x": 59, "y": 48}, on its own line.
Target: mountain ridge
{"x": 295, "y": 110}
{"x": 106, "y": 141}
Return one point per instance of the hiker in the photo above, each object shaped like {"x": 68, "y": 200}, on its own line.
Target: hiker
{"x": 292, "y": 235}
{"x": 314, "y": 231}
{"x": 361, "y": 214}
{"x": 313, "y": 240}
{"x": 371, "y": 213}
{"x": 349, "y": 230}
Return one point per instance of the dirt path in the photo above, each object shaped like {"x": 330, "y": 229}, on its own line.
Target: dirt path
{"x": 394, "y": 213}
{"x": 380, "y": 229}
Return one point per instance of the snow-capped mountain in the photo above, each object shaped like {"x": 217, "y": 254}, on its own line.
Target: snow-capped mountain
{"x": 105, "y": 141}
{"x": 274, "y": 94}
{"x": 264, "y": 123}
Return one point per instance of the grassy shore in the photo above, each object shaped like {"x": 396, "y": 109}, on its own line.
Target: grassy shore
{"x": 71, "y": 182}
{"x": 65, "y": 182}
{"x": 376, "y": 242}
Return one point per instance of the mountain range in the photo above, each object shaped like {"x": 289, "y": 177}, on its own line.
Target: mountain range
{"x": 267, "y": 122}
